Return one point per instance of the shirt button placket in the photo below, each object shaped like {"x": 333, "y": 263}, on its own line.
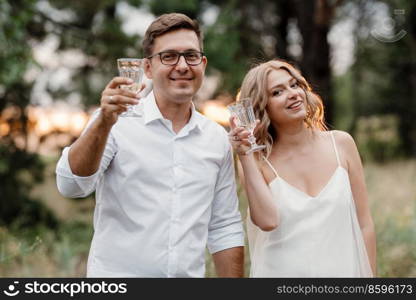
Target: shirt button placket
{"x": 172, "y": 255}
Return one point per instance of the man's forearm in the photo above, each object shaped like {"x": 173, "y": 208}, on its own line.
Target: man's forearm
{"x": 229, "y": 262}
{"x": 85, "y": 154}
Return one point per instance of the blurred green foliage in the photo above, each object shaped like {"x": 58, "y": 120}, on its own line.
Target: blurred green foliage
{"x": 19, "y": 170}
{"x": 382, "y": 80}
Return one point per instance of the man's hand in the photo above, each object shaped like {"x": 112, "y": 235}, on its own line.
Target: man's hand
{"x": 114, "y": 99}
{"x": 86, "y": 152}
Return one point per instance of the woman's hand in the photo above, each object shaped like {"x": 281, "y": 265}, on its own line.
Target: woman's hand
{"x": 238, "y": 137}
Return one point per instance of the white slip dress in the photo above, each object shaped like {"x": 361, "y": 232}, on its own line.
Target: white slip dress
{"x": 317, "y": 236}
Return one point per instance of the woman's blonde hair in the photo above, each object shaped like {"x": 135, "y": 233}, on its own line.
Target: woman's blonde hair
{"x": 254, "y": 86}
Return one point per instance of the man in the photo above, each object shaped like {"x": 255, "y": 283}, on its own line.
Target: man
{"x": 164, "y": 181}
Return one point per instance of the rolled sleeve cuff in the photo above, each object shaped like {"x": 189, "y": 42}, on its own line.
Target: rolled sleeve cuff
{"x": 225, "y": 238}
{"x": 84, "y": 184}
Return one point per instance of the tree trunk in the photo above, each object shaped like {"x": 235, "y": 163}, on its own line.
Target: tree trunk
{"x": 284, "y": 10}
{"x": 407, "y": 120}
{"x": 314, "y": 20}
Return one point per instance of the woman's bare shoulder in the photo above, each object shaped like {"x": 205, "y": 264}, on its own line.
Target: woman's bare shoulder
{"x": 346, "y": 145}
{"x": 343, "y": 138}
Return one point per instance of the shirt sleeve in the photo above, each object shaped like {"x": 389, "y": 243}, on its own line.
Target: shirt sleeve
{"x": 225, "y": 229}
{"x": 73, "y": 186}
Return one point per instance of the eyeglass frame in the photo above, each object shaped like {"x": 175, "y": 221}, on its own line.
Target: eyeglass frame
{"x": 179, "y": 57}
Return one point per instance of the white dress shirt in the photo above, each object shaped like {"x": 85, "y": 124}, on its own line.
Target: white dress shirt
{"x": 161, "y": 197}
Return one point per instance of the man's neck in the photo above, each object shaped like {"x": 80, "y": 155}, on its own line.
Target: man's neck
{"x": 178, "y": 113}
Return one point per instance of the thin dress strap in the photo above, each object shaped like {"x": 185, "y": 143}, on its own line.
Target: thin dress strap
{"x": 335, "y": 147}
{"x": 271, "y": 166}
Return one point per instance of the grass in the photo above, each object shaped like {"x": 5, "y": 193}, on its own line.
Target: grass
{"x": 41, "y": 252}
{"x": 392, "y": 193}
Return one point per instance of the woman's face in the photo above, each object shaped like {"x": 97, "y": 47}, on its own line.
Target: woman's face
{"x": 287, "y": 100}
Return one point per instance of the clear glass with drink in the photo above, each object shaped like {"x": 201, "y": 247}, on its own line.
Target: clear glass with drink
{"x": 131, "y": 68}
{"x": 243, "y": 110}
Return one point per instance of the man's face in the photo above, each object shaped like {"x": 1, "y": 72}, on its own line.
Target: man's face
{"x": 180, "y": 82}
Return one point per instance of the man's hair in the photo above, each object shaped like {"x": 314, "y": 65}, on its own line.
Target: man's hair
{"x": 167, "y": 23}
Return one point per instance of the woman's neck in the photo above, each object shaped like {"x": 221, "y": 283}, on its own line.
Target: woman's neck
{"x": 294, "y": 135}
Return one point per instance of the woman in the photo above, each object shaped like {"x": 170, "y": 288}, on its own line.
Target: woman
{"x": 308, "y": 207}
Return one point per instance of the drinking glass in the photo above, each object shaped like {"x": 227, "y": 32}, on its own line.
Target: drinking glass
{"x": 131, "y": 68}
{"x": 243, "y": 110}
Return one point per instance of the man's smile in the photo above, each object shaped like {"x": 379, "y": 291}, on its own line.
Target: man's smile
{"x": 181, "y": 78}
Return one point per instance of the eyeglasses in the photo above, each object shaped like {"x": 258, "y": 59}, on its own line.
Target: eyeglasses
{"x": 171, "y": 58}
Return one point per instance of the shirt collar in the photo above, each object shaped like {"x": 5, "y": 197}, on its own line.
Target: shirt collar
{"x": 150, "y": 109}
{"x": 195, "y": 122}
{"x": 151, "y": 112}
